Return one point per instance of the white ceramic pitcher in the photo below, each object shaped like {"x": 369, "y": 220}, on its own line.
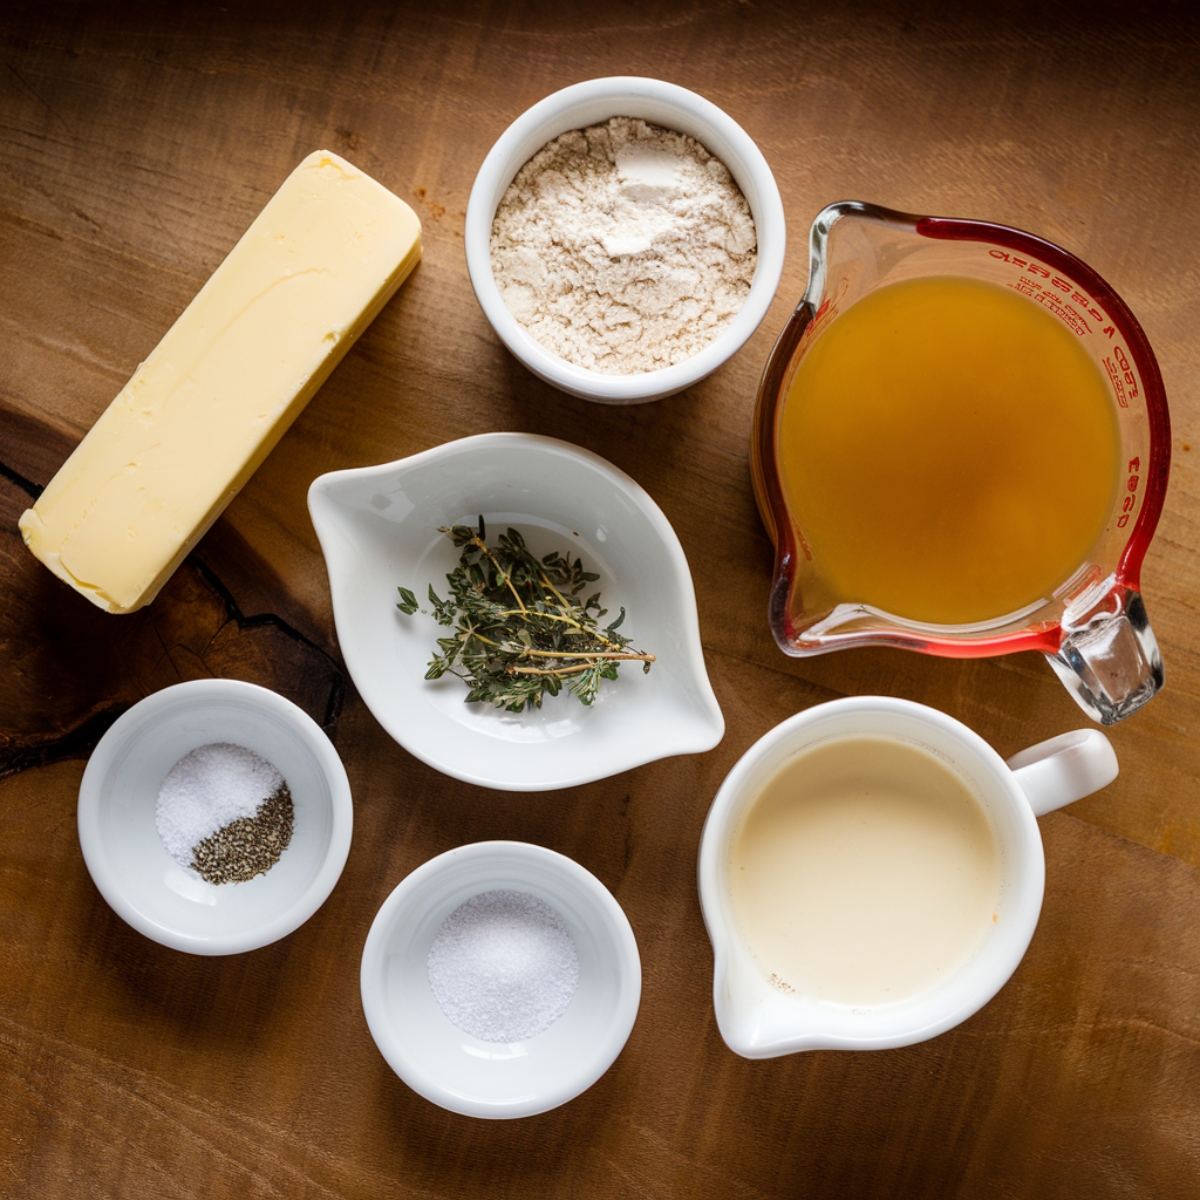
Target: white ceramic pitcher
{"x": 756, "y": 1019}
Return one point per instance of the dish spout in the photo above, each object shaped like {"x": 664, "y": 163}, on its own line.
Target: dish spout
{"x": 755, "y": 1019}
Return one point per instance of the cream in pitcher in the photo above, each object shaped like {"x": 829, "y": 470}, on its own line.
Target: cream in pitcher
{"x": 864, "y": 871}
{"x": 871, "y": 873}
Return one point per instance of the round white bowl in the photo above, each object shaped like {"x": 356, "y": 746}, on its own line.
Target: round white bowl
{"x": 490, "y": 1079}
{"x": 144, "y": 885}
{"x": 378, "y": 528}
{"x": 662, "y": 104}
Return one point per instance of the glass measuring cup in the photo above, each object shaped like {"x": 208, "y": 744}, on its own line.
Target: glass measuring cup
{"x": 1093, "y": 627}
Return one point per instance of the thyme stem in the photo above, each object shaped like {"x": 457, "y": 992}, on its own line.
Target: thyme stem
{"x": 590, "y": 655}
{"x": 500, "y": 570}
{"x": 491, "y": 644}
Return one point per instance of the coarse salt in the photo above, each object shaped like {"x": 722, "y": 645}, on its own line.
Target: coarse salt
{"x": 206, "y": 790}
{"x": 503, "y": 966}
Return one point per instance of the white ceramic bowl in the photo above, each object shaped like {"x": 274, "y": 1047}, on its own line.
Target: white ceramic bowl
{"x": 662, "y": 104}
{"x": 378, "y": 527}
{"x": 489, "y": 1079}
{"x": 127, "y": 859}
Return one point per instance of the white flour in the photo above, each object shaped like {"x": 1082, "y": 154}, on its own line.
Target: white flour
{"x": 624, "y": 247}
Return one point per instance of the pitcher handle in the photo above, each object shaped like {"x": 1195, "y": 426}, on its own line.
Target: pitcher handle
{"x": 1110, "y": 662}
{"x": 1064, "y": 769}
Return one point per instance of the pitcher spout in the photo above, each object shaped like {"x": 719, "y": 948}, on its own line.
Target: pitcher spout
{"x": 755, "y": 1019}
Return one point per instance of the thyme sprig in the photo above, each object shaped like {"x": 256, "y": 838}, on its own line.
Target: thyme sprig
{"x": 520, "y": 628}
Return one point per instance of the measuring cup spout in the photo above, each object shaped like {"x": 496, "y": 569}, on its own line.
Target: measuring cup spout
{"x": 1109, "y": 659}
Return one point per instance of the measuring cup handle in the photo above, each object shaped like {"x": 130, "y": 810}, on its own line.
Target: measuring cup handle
{"x": 1064, "y": 769}
{"x": 1110, "y": 662}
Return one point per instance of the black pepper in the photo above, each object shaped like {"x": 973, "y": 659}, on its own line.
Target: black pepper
{"x": 249, "y": 846}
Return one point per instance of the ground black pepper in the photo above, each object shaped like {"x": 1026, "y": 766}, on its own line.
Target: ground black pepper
{"x": 249, "y": 846}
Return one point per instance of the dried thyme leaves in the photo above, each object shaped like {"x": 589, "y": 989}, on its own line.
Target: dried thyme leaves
{"x": 521, "y": 629}
{"x": 248, "y": 846}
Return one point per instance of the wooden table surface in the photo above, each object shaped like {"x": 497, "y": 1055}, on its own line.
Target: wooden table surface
{"x": 137, "y": 148}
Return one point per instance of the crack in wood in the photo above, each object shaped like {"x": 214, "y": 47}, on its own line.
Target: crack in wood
{"x": 31, "y": 489}
{"x": 74, "y": 670}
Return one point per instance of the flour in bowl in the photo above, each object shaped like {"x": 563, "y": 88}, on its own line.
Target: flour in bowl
{"x": 624, "y": 247}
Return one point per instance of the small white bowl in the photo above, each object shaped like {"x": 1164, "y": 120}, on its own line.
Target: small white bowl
{"x": 489, "y": 1079}
{"x": 144, "y": 885}
{"x": 662, "y": 104}
{"x": 378, "y": 528}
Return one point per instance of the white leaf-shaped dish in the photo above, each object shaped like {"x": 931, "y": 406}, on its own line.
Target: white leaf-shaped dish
{"x": 378, "y": 528}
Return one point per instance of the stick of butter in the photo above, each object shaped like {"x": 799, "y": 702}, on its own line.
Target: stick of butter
{"x": 221, "y": 388}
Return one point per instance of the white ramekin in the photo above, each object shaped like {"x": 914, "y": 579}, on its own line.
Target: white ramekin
{"x": 489, "y": 1079}
{"x": 662, "y": 104}
{"x": 131, "y": 866}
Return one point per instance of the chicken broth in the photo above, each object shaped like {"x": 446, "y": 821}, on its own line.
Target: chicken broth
{"x": 948, "y": 451}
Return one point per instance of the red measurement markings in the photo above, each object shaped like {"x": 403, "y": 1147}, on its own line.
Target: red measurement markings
{"x": 1131, "y": 486}
{"x": 1121, "y": 373}
{"x": 1118, "y": 384}
{"x": 1068, "y": 306}
{"x": 1065, "y": 312}
{"x": 1061, "y": 298}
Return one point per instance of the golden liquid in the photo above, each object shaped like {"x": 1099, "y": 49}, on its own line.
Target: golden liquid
{"x": 864, "y": 872}
{"x": 948, "y": 452}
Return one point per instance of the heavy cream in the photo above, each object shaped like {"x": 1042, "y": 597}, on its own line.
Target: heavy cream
{"x": 865, "y": 871}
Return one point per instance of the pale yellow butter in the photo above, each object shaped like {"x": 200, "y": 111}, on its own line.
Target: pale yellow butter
{"x": 223, "y": 385}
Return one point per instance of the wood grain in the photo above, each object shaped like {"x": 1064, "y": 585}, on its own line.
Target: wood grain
{"x": 73, "y": 671}
{"x": 139, "y": 143}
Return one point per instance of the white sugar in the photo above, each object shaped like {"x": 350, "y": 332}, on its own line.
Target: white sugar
{"x": 206, "y": 790}
{"x": 503, "y": 966}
